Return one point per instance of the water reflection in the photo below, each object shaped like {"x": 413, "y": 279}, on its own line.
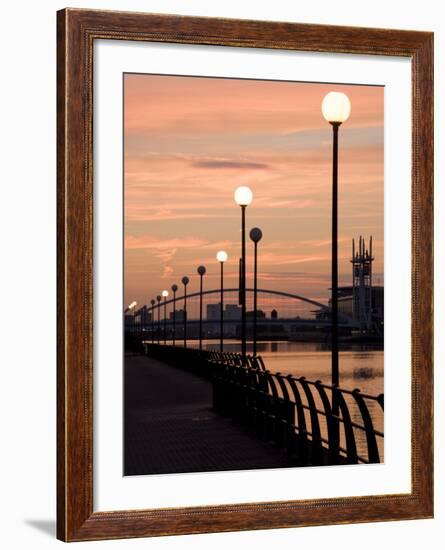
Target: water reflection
{"x": 361, "y": 364}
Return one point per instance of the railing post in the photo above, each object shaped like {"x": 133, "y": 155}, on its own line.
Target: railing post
{"x": 373, "y": 451}
{"x": 301, "y": 430}
{"x": 317, "y": 457}
{"x": 332, "y": 425}
{"x": 351, "y": 447}
{"x": 287, "y": 414}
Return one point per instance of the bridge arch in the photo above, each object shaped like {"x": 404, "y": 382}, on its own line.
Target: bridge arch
{"x": 259, "y": 290}
{"x": 298, "y": 297}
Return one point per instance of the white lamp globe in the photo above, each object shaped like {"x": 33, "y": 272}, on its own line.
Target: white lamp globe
{"x": 336, "y": 107}
{"x": 243, "y": 195}
{"x": 131, "y": 306}
{"x": 222, "y": 256}
{"x": 165, "y": 293}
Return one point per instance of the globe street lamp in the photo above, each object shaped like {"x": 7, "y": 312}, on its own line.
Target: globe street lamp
{"x": 255, "y": 235}
{"x": 222, "y": 257}
{"x": 174, "y": 289}
{"x": 201, "y": 271}
{"x": 164, "y": 295}
{"x": 185, "y": 282}
{"x": 336, "y": 109}
{"x": 159, "y": 298}
{"x": 243, "y": 197}
{"x": 130, "y": 307}
{"x": 152, "y": 302}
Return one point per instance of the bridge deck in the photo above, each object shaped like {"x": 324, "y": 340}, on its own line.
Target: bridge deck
{"x": 170, "y": 426}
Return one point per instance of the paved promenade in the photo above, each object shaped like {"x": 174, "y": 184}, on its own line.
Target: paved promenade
{"x": 170, "y": 426}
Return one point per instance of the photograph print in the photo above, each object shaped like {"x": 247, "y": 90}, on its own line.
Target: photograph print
{"x": 253, "y": 291}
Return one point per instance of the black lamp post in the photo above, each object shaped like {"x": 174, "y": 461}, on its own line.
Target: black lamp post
{"x": 130, "y": 327}
{"x": 165, "y": 295}
{"x": 243, "y": 197}
{"x": 152, "y": 302}
{"x": 255, "y": 235}
{"x": 135, "y": 322}
{"x": 221, "y": 256}
{"x": 185, "y": 282}
{"x": 336, "y": 108}
{"x": 159, "y": 298}
{"x": 144, "y": 320}
{"x": 201, "y": 271}
{"x": 174, "y": 289}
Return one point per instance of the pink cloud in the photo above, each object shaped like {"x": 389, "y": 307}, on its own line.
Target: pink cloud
{"x": 147, "y": 241}
{"x": 168, "y": 272}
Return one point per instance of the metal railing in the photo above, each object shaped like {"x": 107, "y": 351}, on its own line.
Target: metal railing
{"x": 293, "y": 412}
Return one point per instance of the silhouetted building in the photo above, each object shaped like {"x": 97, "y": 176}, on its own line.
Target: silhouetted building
{"x": 361, "y": 302}
{"x": 362, "y": 307}
{"x": 213, "y": 312}
{"x": 179, "y": 315}
{"x": 231, "y": 315}
{"x": 232, "y": 312}
{"x": 346, "y": 303}
{"x": 274, "y": 314}
{"x": 259, "y": 314}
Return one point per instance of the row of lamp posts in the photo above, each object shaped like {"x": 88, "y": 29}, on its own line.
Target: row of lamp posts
{"x": 221, "y": 256}
{"x": 243, "y": 197}
{"x": 336, "y": 109}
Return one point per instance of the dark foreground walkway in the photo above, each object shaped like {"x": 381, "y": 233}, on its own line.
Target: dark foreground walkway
{"x": 170, "y": 426}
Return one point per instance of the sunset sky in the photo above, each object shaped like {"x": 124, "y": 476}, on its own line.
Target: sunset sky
{"x": 189, "y": 142}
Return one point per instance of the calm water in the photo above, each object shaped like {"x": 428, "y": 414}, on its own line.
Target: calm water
{"x": 361, "y": 366}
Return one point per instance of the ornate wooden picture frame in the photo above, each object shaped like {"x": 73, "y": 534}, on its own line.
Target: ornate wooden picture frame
{"x": 77, "y": 31}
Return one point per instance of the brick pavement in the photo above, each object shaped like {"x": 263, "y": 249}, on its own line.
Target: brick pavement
{"x": 170, "y": 426}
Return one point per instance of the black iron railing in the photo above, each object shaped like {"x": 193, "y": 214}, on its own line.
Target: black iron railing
{"x": 293, "y": 412}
